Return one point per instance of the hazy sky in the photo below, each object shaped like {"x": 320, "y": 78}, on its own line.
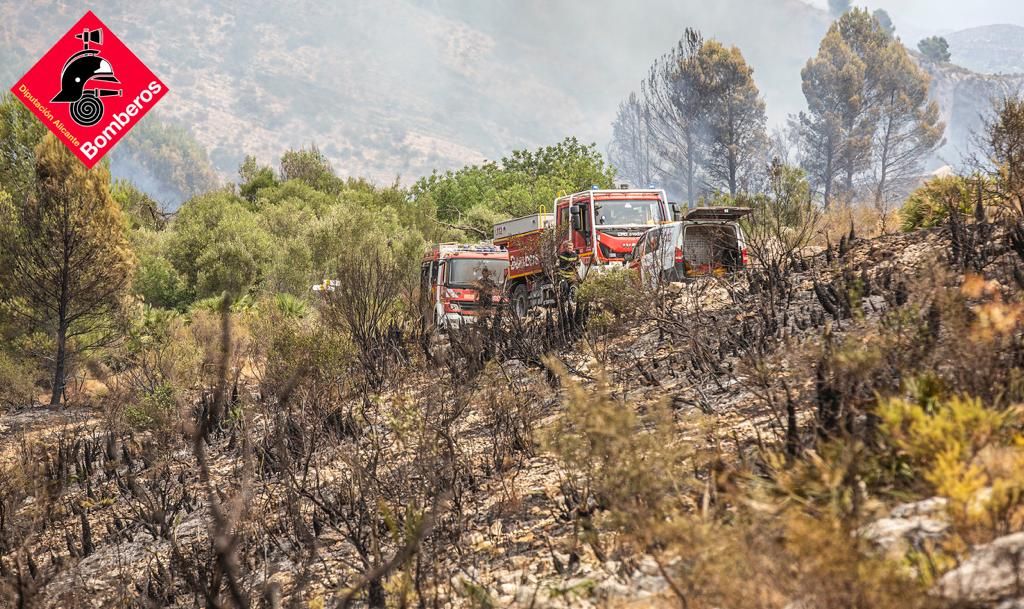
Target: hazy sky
{"x": 915, "y": 19}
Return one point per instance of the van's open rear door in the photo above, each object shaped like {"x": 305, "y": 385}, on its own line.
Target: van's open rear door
{"x": 718, "y": 213}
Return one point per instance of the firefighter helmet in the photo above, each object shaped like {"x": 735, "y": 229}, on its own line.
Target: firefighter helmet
{"x": 81, "y": 68}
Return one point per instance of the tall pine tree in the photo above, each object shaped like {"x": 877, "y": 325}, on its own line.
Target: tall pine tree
{"x": 735, "y": 132}
{"x": 699, "y": 122}
{"x": 674, "y": 93}
{"x": 833, "y": 82}
{"x": 909, "y": 128}
{"x": 867, "y": 111}
{"x": 70, "y": 262}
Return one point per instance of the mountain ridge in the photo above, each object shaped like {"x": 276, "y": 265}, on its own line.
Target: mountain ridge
{"x": 404, "y": 87}
{"x": 401, "y": 88}
{"x": 989, "y": 49}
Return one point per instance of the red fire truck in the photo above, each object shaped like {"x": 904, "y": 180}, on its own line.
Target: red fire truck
{"x": 593, "y": 229}
{"x": 452, "y": 278}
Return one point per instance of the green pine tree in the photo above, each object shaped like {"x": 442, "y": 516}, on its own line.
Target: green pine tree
{"x": 70, "y": 262}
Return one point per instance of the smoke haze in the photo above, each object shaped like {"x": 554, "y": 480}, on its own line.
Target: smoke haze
{"x": 401, "y": 87}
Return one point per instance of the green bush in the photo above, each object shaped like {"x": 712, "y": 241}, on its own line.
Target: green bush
{"x": 929, "y": 205}
{"x": 290, "y": 271}
{"x": 230, "y": 267}
{"x": 290, "y": 306}
{"x": 154, "y": 409}
{"x": 616, "y": 291}
{"x": 17, "y": 381}
{"x": 159, "y": 283}
{"x": 218, "y": 244}
{"x": 612, "y": 298}
{"x": 519, "y": 184}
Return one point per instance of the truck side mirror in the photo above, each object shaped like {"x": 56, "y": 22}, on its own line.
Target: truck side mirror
{"x": 574, "y": 218}
{"x": 676, "y": 213}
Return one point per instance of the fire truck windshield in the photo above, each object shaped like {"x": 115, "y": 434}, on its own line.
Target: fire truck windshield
{"x": 628, "y": 212}
{"x": 469, "y": 272}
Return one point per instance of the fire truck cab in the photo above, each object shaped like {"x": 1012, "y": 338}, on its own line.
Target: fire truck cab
{"x": 457, "y": 280}
{"x": 594, "y": 228}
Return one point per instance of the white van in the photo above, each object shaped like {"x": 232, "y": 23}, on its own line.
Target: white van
{"x": 708, "y": 241}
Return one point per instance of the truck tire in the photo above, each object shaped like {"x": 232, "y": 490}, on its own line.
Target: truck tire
{"x": 520, "y": 300}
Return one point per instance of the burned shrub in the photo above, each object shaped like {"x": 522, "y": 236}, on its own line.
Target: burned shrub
{"x": 366, "y": 303}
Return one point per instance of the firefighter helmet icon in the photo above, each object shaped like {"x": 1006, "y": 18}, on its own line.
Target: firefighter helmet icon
{"x": 80, "y": 69}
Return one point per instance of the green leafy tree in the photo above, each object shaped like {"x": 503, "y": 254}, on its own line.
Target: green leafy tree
{"x": 70, "y": 262}
{"x": 521, "y": 183}
{"x": 219, "y": 245}
{"x": 20, "y": 133}
{"x": 935, "y": 48}
{"x": 349, "y": 230}
{"x": 295, "y": 196}
{"x": 312, "y": 167}
{"x": 289, "y": 221}
{"x": 254, "y": 178}
{"x": 290, "y": 269}
{"x": 159, "y": 283}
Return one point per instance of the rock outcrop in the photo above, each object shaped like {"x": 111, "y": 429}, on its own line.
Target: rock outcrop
{"x": 994, "y": 572}
{"x": 965, "y": 98}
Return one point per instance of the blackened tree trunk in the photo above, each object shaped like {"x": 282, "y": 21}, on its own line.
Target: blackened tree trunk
{"x": 375, "y": 591}
{"x": 59, "y": 366}
{"x": 60, "y": 361}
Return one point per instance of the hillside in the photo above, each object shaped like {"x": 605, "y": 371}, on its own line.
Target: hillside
{"x": 404, "y": 87}
{"x": 316, "y": 385}
{"x": 992, "y": 49}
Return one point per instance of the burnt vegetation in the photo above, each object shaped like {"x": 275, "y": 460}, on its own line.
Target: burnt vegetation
{"x": 337, "y": 456}
{"x": 228, "y": 438}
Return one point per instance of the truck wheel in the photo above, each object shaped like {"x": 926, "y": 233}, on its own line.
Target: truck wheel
{"x": 520, "y": 300}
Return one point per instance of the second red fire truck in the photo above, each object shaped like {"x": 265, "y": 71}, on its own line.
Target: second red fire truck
{"x": 591, "y": 230}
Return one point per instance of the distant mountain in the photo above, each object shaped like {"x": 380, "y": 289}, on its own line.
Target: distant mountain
{"x": 990, "y": 49}
{"x": 402, "y": 87}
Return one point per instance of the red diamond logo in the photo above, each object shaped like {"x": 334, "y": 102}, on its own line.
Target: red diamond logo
{"x": 89, "y": 89}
